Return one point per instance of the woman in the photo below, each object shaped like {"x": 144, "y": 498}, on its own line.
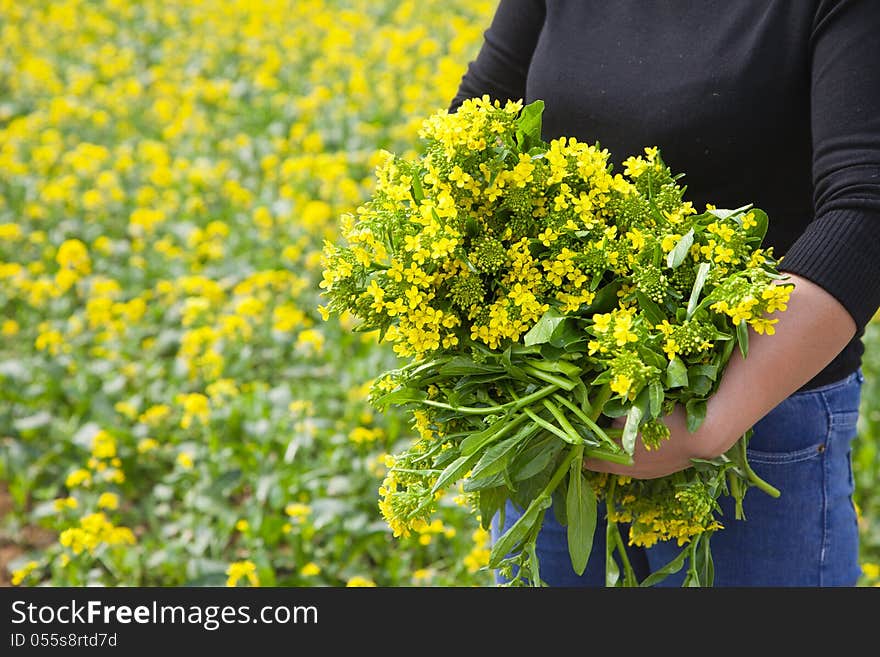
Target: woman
{"x": 775, "y": 103}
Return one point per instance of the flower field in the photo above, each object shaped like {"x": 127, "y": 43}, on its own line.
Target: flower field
{"x": 174, "y": 410}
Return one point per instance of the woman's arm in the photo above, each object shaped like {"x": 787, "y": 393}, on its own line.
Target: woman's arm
{"x": 502, "y": 65}
{"x": 835, "y": 263}
{"x": 809, "y": 334}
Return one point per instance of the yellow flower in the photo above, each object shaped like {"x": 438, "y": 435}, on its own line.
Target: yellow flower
{"x": 18, "y": 576}
{"x": 103, "y": 445}
{"x": 242, "y": 525}
{"x": 621, "y": 384}
{"x": 310, "y": 569}
{"x": 185, "y": 460}
{"x": 360, "y": 581}
{"x": 73, "y": 255}
{"x": 239, "y": 570}
{"x": 146, "y": 445}
{"x": 195, "y": 407}
{"x": 297, "y": 511}
{"x": 79, "y": 477}
{"x": 62, "y": 503}
{"x": 108, "y": 501}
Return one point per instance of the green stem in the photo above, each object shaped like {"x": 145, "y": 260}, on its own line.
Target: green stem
{"x": 486, "y": 410}
{"x": 629, "y": 576}
{"x": 628, "y": 572}
{"x": 614, "y": 457}
{"x": 561, "y": 471}
{"x": 693, "y": 575}
{"x": 583, "y": 417}
{"x": 558, "y": 381}
{"x": 552, "y": 428}
{"x": 560, "y": 417}
{"x": 753, "y": 477}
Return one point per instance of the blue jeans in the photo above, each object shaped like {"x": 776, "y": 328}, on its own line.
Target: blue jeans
{"x": 807, "y": 537}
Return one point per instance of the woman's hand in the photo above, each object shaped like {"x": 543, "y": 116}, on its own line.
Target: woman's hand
{"x": 672, "y": 455}
{"x": 808, "y": 336}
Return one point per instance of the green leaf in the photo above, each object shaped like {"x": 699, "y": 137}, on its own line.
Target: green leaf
{"x": 491, "y": 501}
{"x": 497, "y": 457}
{"x": 543, "y": 329}
{"x": 418, "y": 194}
{"x": 699, "y": 282}
{"x": 650, "y": 308}
{"x": 742, "y": 337}
{"x": 759, "y": 230}
{"x": 680, "y": 252}
{"x": 669, "y": 569}
{"x": 399, "y": 397}
{"x": 536, "y": 457}
{"x": 700, "y": 385}
{"x": 580, "y": 510}
{"x": 518, "y": 531}
{"x": 477, "y": 441}
{"x": 655, "y": 392}
{"x": 462, "y": 366}
{"x": 676, "y": 374}
{"x": 616, "y": 407}
{"x": 567, "y": 335}
{"x": 529, "y": 124}
{"x": 472, "y": 485}
{"x": 631, "y": 429}
{"x": 454, "y": 471}
{"x": 561, "y": 366}
{"x": 696, "y": 413}
{"x": 710, "y": 371}
{"x": 723, "y": 213}
{"x": 604, "y": 301}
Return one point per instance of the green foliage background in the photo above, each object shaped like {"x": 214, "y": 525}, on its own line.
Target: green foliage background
{"x": 168, "y": 174}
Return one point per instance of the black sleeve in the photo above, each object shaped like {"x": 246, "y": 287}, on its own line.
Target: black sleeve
{"x": 502, "y": 64}
{"x": 840, "y": 249}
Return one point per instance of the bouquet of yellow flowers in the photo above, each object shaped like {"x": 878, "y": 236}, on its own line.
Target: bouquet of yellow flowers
{"x": 534, "y": 296}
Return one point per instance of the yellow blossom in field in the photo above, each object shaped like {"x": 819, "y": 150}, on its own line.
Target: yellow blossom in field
{"x": 310, "y": 569}
{"x": 364, "y": 435}
{"x": 154, "y": 415}
{"x": 10, "y": 232}
{"x": 298, "y": 512}
{"x": 108, "y": 501}
{"x": 311, "y": 339}
{"x": 359, "y": 581}
{"x": 239, "y": 570}
{"x": 73, "y": 255}
{"x": 478, "y": 557}
{"x": 113, "y": 475}
{"x": 242, "y": 525}
{"x": 103, "y": 445}
{"x": 127, "y": 409}
{"x": 18, "y": 576}
{"x": 62, "y": 503}
{"x": 185, "y": 460}
{"x": 195, "y": 407}
{"x": 50, "y": 340}
{"x": 147, "y": 445}
{"x": 79, "y": 477}
{"x": 9, "y": 327}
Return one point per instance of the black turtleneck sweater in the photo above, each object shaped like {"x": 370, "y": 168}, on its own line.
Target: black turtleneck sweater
{"x": 770, "y": 102}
